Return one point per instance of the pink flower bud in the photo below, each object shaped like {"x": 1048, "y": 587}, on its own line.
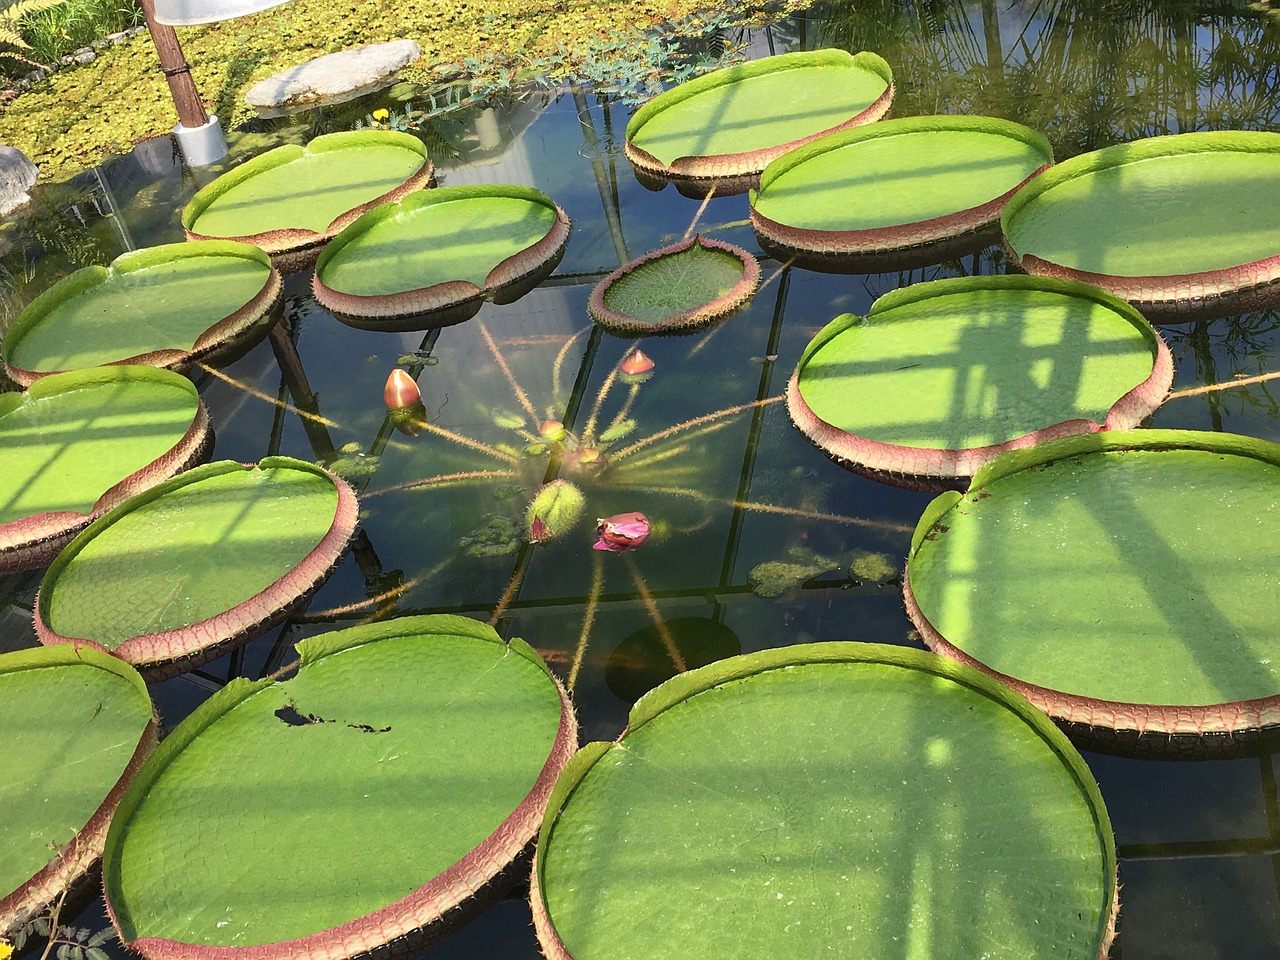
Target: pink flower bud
{"x": 621, "y": 533}
{"x": 552, "y": 430}
{"x": 636, "y": 363}
{"x": 400, "y": 391}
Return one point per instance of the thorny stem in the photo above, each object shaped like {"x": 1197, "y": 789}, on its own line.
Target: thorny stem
{"x": 518, "y": 390}
{"x": 441, "y": 479}
{"x": 1227, "y": 385}
{"x": 651, "y": 605}
{"x": 507, "y": 595}
{"x": 590, "y": 429}
{"x": 588, "y": 616}
{"x": 468, "y": 442}
{"x": 706, "y": 337}
{"x": 54, "y": 913}
{"x": 698, "y": 216}
{"x": 697, "y": 421}
{"x": 314, "y": 417}
{"x": 632, "y": 393}
{"x": 381, "y": 598}
{"x": 562, "y": 355}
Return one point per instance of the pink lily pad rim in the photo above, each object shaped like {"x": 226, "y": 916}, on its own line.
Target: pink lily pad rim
{"x": 684, "y": 321}
{"x": 904, "y": 236}
{"x": 84, "y": 849}
{"x": 685, "y": 686}
{"x": 425, "y": 906}
{"x": 1126, "y": 413}
{"x": 749, "y": 163}
{"x": 168, "y": 653}
{"x": 34, "y": 541}
{"x": 1082, "y": 714}
{"x": 454, "y": 300}
{"x": 238, "y": 326}
{"x": 295, "y": 248}
{"x": 1171, "y": 297}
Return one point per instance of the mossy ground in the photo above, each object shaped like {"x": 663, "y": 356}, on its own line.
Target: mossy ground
{"x": 78, "y": 116}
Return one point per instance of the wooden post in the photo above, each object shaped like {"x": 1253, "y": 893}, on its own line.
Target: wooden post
{"x": 177, "y": 71}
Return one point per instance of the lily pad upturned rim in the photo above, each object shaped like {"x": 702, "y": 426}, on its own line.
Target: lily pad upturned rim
{"x": 896, "y": 462}
{"x": 1172, "y": 297}
{"x": 218, "y": 338}
{"x": 1097, "y": 721}
{"x": 83, "y": 850}
{"x": 453, "y": 301}
{"x": 684, "y": 686}
{"x": 168, "y": 653}
{"x": 35, "y": 540}
{"x": 295, "y": 248}
{"x": 832, "y": 244}
{"x": 424, "y": 907}
{"x": 733, "y": 167}
{"x": 684, "y": 321}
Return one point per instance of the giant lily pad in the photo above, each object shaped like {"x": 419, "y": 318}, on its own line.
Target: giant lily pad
{"x": 721, "y": 129}
{"x": 293, "y": 199}
{"x": 892, "y": 185}
{"x": 76, "y": 444}
{"x": 1175, "y": 224}
{"x": 854, "y": 799}
{"x": 179, "y": 574}
{"x": 426, "y": 748}
{"x": 1124, "y": 582}
{"x": 77, "y": 725}
{"x": 165, "y": 306}
{"x": 940, "y": 377}
{"x": 434, "y": 257}
{"x": 679, "y": 288}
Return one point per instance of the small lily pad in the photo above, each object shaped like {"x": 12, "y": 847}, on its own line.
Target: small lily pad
{"x": 433, "y": 257}
{"x": 181, "y": 573}
{"x": 680, "y": 288}
{"x": 76, "y": 444}
{"x": 291, "y": 200}
{"x": 165, "y": 306}
{"x": 76, "y": 725}
{"x": 432, "y": 748}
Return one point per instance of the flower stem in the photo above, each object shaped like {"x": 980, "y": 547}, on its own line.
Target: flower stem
{"x": 651, "y": 605}
{"x": 697, "y": 421}
{"x": 588, "y": 617}
{"x": 441, "y": 479}
{"x": 521, "y": 396}
{"x": 701, "y": 210}
{"x": 1227, "y": 385}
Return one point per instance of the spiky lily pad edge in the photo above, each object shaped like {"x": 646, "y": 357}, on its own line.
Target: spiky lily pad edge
{"x": 411, "y": 921}
{"x": 686, "y": 685}
{"x": 685, "y": 321}
{"x": 923, "y": 468}
{"x": 84, "y": 849}
{"x": 1180, "y": 731}
{"x": 168, "y": 653}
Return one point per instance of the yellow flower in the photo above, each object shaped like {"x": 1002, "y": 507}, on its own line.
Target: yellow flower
{"x": 380, "y": 114}
{"x": 6, "y": 950}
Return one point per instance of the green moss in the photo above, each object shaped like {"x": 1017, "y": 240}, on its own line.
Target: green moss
{"x": 76, "y": 117}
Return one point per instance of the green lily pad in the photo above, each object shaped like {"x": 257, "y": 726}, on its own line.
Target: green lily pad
{"x": 858, "y": 799}
{"x": 427, "y": 749}
{"x": 940, "y": 377}
{"x": 723, "y": 128}
{"x": 680, "y": 288}
{"x": 1174, "y": 224}
{"x": 1122, "y": 581}
{"x": 289, "y": 201}
{"x": 76, "y": 725}
{"x": 165, "y": 306}
{"x": 76, "y": 444}
{"x": 433, "y": 257}
{"x": 181, "y": 573}
{"x": 892, "y": 185}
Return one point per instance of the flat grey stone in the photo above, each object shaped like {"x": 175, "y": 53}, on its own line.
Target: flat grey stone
{"x": 332, "y": 78}
{"x": 17, "y": 174}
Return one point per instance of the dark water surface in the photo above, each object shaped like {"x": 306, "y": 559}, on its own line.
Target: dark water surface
{"x": 1199, "y": 842}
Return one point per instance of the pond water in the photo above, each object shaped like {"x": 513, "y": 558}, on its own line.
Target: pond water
{"x": 729, "y": 482}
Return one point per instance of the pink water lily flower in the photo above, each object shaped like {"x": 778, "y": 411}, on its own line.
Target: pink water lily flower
{"x": 622, "y": 532}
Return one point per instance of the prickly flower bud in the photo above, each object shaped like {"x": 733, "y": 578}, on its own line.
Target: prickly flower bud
{"x": 636, "y": 367}
{"x": 622, "y": 532}
{"x": 552, "y": 430}
{"x": 555, "y": 508}
{"x": 400, "y": 391}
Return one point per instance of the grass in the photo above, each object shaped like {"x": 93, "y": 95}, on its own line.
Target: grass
{"x": 75, "y": 118}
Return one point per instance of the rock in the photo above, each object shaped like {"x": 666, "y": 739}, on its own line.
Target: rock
{"x": 84, "y": 56}
{"x": 17, "y": 174}
{"x": 333, "y": 78}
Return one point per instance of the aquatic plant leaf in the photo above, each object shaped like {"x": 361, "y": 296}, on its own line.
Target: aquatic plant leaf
{"x": 892, "y": 185}
{"x": 653, "y": 654}
{"x": 772, "y": 578}
{"x": 680, "y": 288}
{"x": 942, "y": 376}
{"x": 427, "y": 749}
{"x": 723, "y": 128}
{"x": 789, "y": 832}
{"x": 292, "y": 199}
{"x": 76, "y": 725}
{"x": 1122, "y": 581}
{"x": 75, "y": 444}
{"x": 1178, "y": 225}
{"x": 431, "y": 258}
{"x": 209, "y": 559}
{"x": 164, "y": 306}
